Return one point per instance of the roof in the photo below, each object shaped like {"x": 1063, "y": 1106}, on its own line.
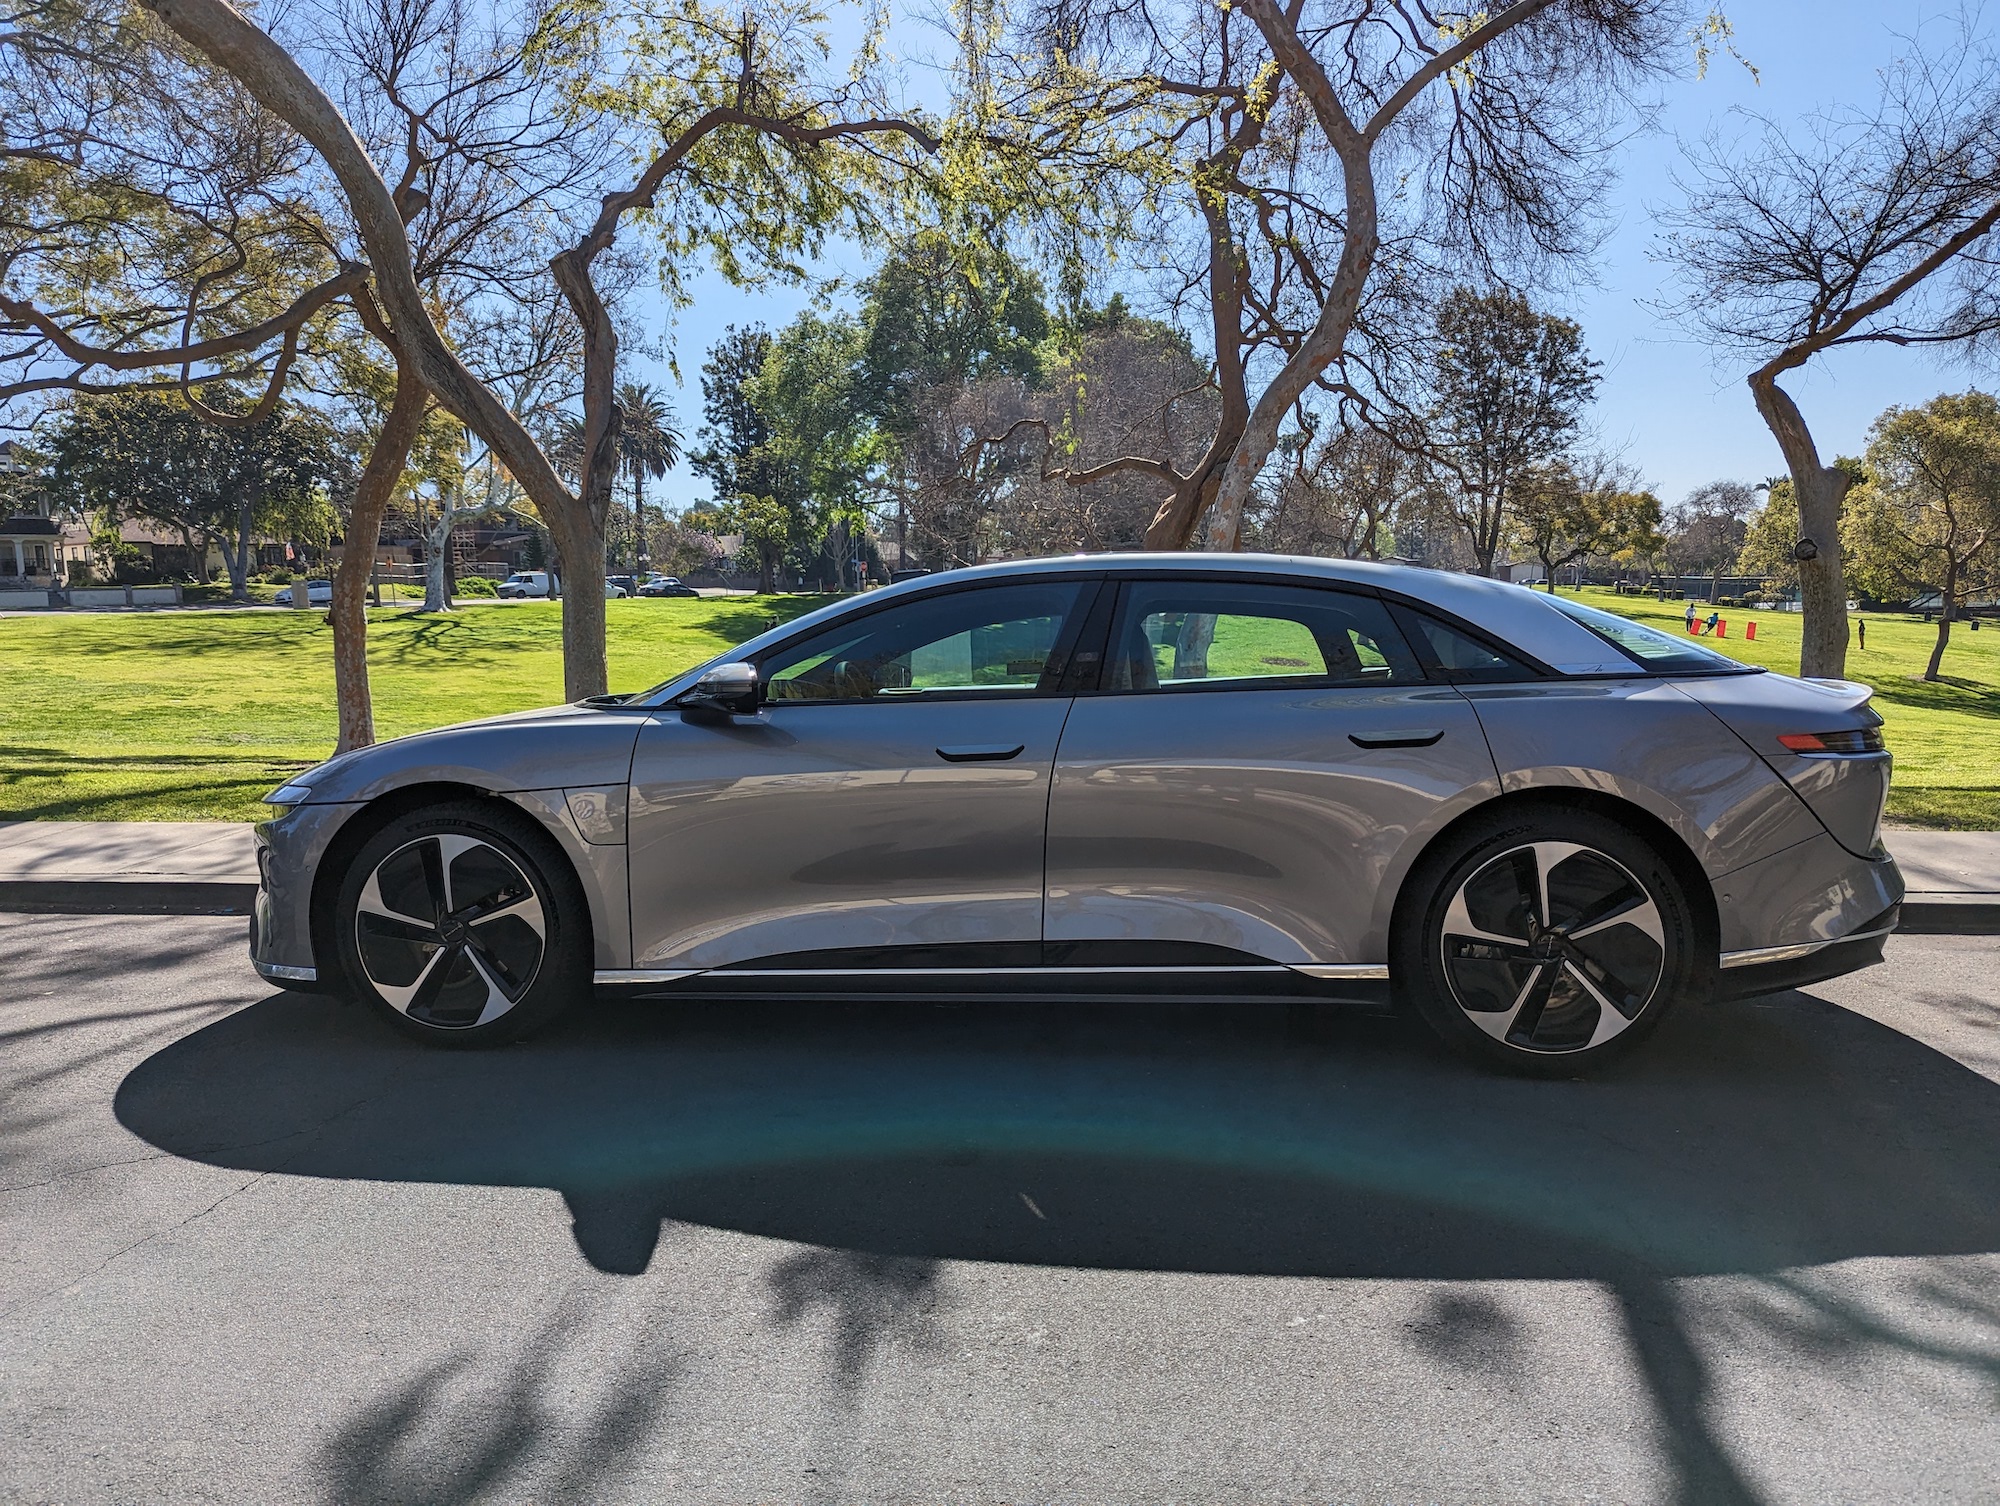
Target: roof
{"x": 26, "y": 527}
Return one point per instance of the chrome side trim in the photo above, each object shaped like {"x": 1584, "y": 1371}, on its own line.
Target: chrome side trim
{"x": 610, "y": 975}
{"x": 1797, "y": 949}
{"x": 1344, "y": 972}
{"x": 969, "y": 972}
{"x": 279, "y": 970}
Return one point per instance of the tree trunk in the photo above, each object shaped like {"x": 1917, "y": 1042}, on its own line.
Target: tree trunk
{"x": 349, "y": 611}
{"x": 1820, "y": 490}
{"x": 1326, "y": 341}
{"x": 1947, "y": 598}
{"x": 436, "y": 541}
{"x": 238, "y": 559}
{"x": 581, "y": 548}
{"x": 765, "y": 572}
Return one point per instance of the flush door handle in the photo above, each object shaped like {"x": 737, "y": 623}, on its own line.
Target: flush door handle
{"x": 1401, "y": 737}
{"x": 982, "y": 753}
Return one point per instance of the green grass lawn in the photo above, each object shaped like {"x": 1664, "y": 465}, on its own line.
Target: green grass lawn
{"x": 182, "y": 716}
{"x": 195, "y": 716}
{"x": 1946, "y": 736}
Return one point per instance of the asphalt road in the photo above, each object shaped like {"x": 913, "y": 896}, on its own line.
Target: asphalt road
{"x": 254, "y": 1248}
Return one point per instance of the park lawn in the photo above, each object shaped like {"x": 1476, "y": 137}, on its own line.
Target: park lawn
{"x": 196, "y": 715}
{"x": 1945, "y": 736}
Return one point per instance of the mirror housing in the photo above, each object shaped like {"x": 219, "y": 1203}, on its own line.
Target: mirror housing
{"x": 726, "y": 690}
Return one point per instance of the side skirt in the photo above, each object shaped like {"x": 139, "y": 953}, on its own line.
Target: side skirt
{"x": 1366, "y": 985}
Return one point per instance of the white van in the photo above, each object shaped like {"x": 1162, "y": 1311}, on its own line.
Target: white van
{"x": 524, "y": 583}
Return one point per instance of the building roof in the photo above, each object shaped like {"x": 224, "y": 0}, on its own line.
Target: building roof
{"x": 30, "y": 528}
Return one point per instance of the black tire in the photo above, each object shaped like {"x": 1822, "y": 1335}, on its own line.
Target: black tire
{"x": 459, "y": 970}
{"x": 1548, "y": 994}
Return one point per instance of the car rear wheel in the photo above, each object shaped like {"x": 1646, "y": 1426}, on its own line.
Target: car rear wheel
{"x": 464, "y": 925}
{"x": 1547, "y": 943}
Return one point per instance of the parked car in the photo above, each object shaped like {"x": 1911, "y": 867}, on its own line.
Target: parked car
{"x": 1536, "y": 824}
{"x": 667, "y": 585}
{"x": 524, "y": 583}
{"x": 613, "y": 590}
{"x": 319, "y": 593}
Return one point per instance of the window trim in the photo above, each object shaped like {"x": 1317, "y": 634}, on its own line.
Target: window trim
{"x": 1125, "y": 580}
{"x": 1089, "y": 588}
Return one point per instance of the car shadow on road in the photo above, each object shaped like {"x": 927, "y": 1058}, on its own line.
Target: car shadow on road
{"x": 1208, "y": 1137}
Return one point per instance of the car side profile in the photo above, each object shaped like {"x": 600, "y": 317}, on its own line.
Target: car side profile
{"x": 1535, "y": 824}
{"x": 667, "y": 585}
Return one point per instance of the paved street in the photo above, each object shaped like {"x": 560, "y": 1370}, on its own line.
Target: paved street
{"x": 254, "y": 1248}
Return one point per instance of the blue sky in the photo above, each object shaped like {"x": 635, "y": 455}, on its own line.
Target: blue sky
{"x": 1676, "y": 414}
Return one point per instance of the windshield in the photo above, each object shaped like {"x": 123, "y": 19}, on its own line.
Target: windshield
{"x": 1660, "y": 652}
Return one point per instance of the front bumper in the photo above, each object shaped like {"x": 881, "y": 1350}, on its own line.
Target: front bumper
{"x": 289, "y": 848}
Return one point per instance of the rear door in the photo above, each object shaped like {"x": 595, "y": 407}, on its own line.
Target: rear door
{"x": 886, "y": 807}
{"x": 1257, "y": 760}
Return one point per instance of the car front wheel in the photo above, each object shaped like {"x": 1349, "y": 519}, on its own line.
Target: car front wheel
{"x": 1548, "y": 943}
{"x": 464, "y": 925}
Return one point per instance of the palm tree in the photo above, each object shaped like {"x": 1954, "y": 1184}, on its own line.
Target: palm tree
{"x": 649, "y": 442}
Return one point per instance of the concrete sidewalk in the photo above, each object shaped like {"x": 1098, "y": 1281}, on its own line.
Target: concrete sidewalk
{"x": 128, "y": 867}
{"x": 210, "y": 868}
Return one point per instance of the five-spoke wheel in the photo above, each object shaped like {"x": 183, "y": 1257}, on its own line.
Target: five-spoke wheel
{"x": 1547, "y": 940}
{"x": 454, "y": 920}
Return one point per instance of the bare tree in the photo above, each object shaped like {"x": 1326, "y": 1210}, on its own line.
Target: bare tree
{"x": 1863, "y": 228}
{"x": 1338, "y": 494}
{"x": 1276, "y": 121}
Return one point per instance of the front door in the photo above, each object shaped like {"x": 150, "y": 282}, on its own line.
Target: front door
{"x": 888, "y": 804}
{"x": 1257, "y": 758}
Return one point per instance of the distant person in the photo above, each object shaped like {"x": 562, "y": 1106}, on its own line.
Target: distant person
{"x": 1690, "y": 617}
{"x": 1861, "y": 631}
{"x": 1713, "y": 619}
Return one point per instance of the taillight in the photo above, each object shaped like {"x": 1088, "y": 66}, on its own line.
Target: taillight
{"x": 1855, "y": 740}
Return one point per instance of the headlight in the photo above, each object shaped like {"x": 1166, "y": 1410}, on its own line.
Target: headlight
{"x": 289, "y": 795}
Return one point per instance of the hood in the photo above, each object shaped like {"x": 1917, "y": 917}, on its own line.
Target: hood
{"x": 551, "y": 747}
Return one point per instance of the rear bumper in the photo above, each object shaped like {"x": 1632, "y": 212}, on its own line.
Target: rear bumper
{"x": 1809, "y": 894}
{"x": 1750, "y": 974}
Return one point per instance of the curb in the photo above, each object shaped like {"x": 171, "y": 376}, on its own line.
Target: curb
{"x": 1950, "y": 918}
{"x": 126, "y": 897}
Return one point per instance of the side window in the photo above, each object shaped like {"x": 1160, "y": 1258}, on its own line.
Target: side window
{"x": 1458, "y": 656}
{"x": 996, "y": 640}
{"x": 1174, "y": 634}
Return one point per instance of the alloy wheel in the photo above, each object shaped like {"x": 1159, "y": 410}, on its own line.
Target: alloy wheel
{"x": 450, "y": 930}
{"x": 1553, "y": 947}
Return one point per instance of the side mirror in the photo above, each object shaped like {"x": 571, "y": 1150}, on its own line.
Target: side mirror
{"x": 725, "y": 691}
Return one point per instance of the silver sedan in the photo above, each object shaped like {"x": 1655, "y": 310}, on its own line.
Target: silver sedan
{"x": 1536, "y": 824}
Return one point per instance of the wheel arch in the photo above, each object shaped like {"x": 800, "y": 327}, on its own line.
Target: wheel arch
{"x": 355, "y": 832}
{"x": 1642, "y": 823}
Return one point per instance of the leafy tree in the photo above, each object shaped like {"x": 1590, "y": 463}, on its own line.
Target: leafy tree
{"x": 1771, "y": 536}
{"x": 939, "y": 317}
{"x": 1562, "y": 517}
{"x": 730, "y": 449}
{"x": 766, "y": 526}
{"x": 1928, "y": 518}
{"x": 1508, "y": 388}
{"x": 147, "y": 455}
